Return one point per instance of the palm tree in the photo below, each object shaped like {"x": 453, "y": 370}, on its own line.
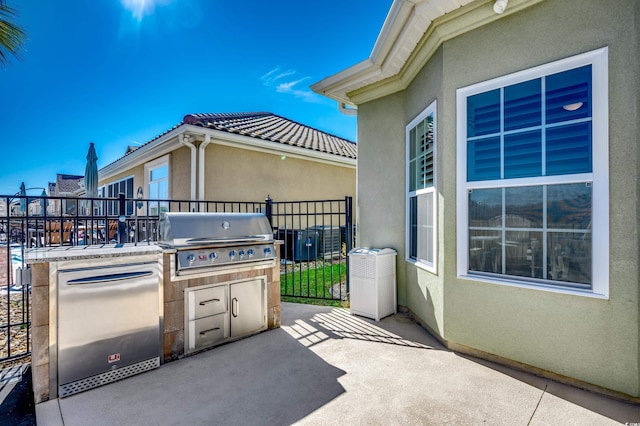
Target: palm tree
{"x": 11, "y": 35}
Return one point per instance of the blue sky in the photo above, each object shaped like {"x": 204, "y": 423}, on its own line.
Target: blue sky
{"x": 119, "y": 72}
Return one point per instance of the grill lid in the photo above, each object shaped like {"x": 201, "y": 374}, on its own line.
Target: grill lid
{"x": 207, "y": 229}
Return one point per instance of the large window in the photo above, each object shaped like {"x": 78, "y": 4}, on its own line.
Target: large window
{"x": 533, "y": 177}
{"x": 157, "y": 179}
{"x": 421, "y": 176}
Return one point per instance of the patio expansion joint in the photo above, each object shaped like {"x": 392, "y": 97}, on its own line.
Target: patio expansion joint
{"x": 538, "y": 404}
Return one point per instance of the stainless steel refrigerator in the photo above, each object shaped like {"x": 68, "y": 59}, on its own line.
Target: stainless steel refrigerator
{"x": 108, "y": 324}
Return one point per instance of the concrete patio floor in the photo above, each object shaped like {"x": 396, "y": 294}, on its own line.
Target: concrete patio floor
{"x": 325, "y": 366}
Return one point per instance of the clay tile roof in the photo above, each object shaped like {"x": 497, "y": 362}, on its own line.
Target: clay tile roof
{"x": 274, "y": 128}
{"x": 265, "y": 126}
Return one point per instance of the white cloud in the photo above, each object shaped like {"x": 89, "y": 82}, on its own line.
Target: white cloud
{"x": 275, "y": 74}
{"x": 269, "y": 74}
{"x": 289, "y": 85}
{"x": 277, "y": 79}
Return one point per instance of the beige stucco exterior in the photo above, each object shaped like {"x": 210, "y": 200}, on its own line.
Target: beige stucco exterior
{"x": 589, "y": 340}
{"x": 137, "y": 173}
{"x": 180, "y": 174}
{"x": 260, "y": 174}
{"x": 179, "y": 166}
{"x": 238, "y": 172}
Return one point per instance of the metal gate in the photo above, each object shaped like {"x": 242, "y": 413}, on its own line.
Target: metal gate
{"x": 316, "y": 235}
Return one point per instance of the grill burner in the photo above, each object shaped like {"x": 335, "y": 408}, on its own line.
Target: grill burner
{"x": 206, "y": 240}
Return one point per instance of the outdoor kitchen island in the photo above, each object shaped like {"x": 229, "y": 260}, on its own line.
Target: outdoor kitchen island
{"x": 199, "y": 308}
{"x": 46, "y": 262}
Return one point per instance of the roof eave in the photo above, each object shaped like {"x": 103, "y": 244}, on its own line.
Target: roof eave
{"x": 399, "y": 52}
{"x": 391, "y": 29}
{"x": 147, "y": 152}
{"x": 276, "y": 148}
{"x": 169, "y": 142}
{"x": 371, "y": 69}
{"x": 336, "y": 86}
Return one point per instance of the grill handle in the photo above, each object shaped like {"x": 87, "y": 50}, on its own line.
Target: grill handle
{"x": 235, "y": 307}
{"x": 206, "y": 302}
{"x": 204, "y": 332}
{"x": 226, "y": 240}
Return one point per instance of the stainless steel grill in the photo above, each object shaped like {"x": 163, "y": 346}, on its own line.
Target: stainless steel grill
{"x": 211, "y": 240}
{"x": 201, "y": 245}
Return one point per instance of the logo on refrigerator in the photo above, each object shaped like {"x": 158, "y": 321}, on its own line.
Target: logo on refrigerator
{"x": 113, "y": 358}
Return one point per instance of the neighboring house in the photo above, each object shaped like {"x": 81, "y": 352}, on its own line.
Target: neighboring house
{"x": 235, "y": 157}
{"x": 65, "y": 186}
{"x": 498, "y": 153}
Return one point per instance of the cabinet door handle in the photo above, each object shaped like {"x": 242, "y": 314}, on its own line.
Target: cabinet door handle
{"x": 235, "y": 307}
{"x": 204, "y": 332}
{"x": 206, "y": 302}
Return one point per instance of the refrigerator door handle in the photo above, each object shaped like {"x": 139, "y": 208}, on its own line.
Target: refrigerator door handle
{"x": 109, "y": 277}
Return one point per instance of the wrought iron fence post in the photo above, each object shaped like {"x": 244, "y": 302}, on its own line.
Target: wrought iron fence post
{"x": 122, "y": 215}
{"x": 268, "y": 209}
{"x": 348, "y": 231}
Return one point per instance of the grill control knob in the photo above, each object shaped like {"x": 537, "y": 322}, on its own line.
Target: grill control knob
{"x": 191, "y": 258}
{"x": 267, "y": 251}
{"x": 232, "y": 254}
{"x": 250, "y": 253}
{"x": 241, "y": 253}
{"x": 213, "y": 256}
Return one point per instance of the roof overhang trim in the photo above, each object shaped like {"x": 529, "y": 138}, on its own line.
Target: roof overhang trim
{"x": 156, "y": 148}
{"x": 412, "y": 32}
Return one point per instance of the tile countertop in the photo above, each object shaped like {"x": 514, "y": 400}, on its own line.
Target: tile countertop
{"x": 56, "y": 254}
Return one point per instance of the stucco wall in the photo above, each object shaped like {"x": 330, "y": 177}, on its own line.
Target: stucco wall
{"x": 233, "y": 174}
{"x": 635, "y": 122}
{"x": 592, "y": 340}
{"x": 180, "y": 174}
{"x": 236, "y": 174}
{"x": 424, "y": 289}
{"x": 137, "y": 173}
{"x": 381, "y": 185}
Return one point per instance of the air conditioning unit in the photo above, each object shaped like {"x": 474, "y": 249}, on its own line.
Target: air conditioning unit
{"x": 329, "y": 240}
{"x": 299, "y": 245}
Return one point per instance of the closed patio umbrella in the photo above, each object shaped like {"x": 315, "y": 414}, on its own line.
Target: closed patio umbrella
{"x": 91, "y": 173}
{"x": 23, "y": 201}
{"x": 45, "y": 202}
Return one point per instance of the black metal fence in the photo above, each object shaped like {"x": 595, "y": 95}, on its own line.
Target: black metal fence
{"x": 316, "y": 235}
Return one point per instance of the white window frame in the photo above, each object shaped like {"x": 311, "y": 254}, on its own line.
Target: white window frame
{"x": 99, "y": 207}
{"x": 598, "y": 59}
{"x": 422, "y": 263}
{"x": 151, "y": 166}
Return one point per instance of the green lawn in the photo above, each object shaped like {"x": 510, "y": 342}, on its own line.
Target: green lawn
{"x": 313, "y": 286}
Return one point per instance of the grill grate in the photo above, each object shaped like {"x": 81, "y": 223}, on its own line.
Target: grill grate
{"x": 72, "y": 388}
